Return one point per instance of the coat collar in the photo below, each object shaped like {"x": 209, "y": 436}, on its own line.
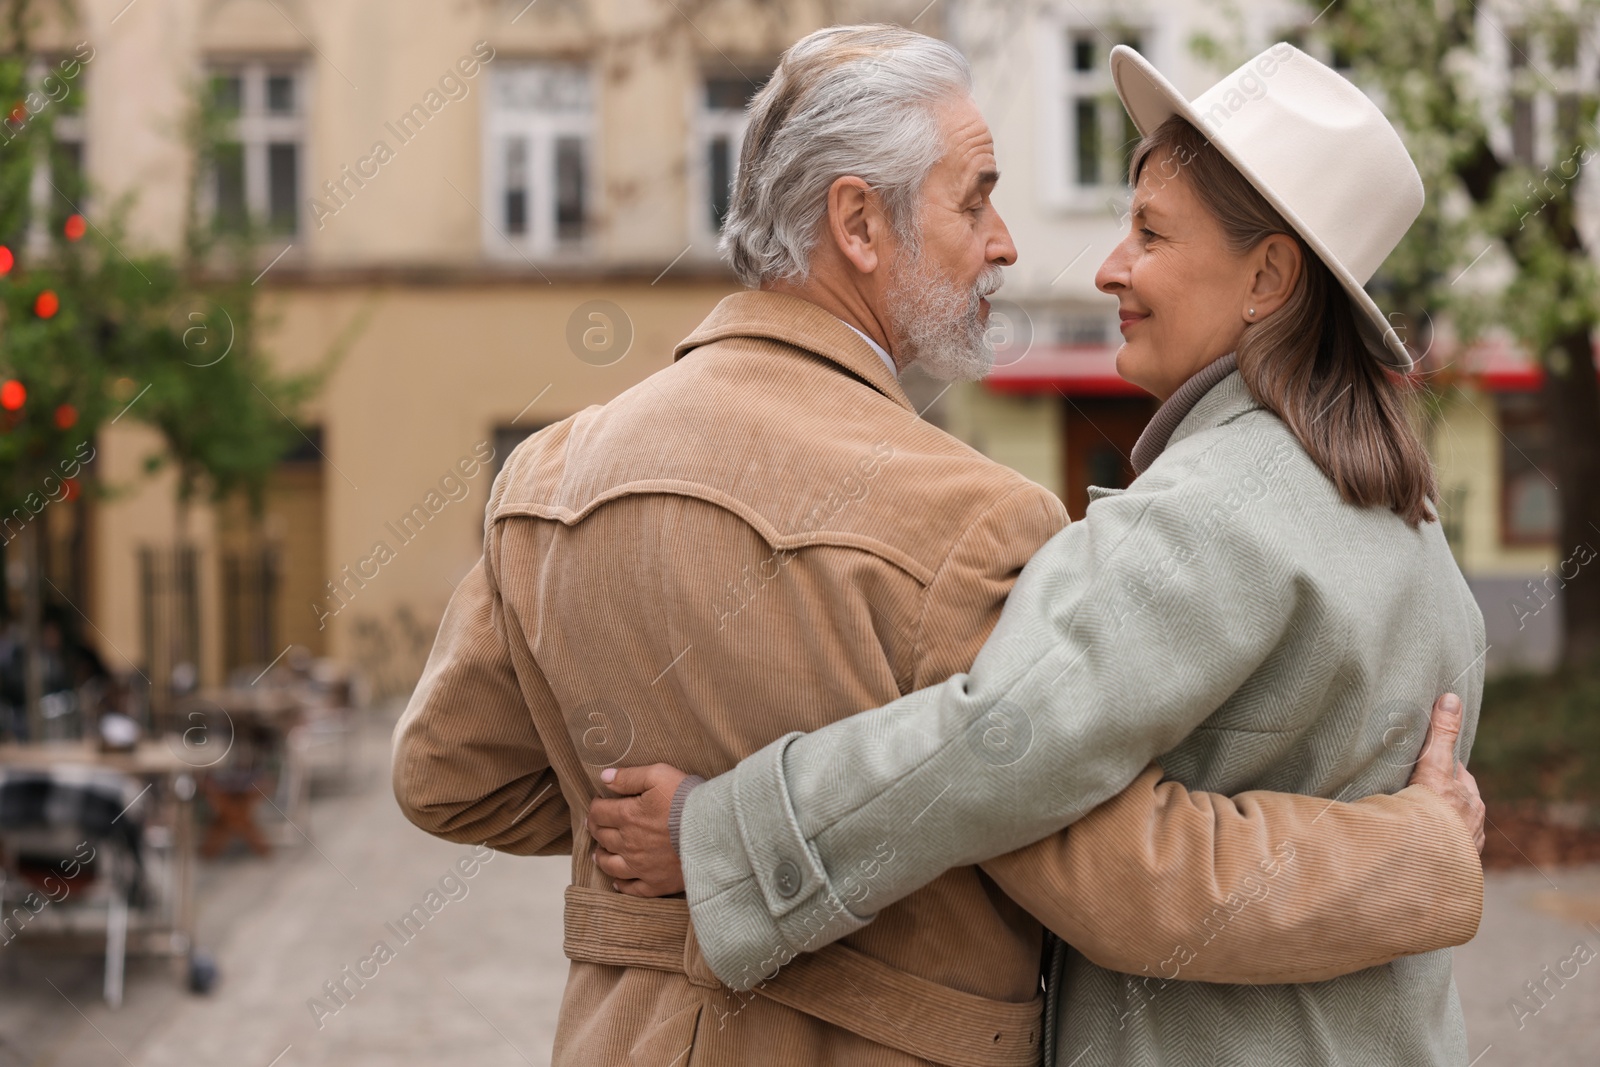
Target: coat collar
{"x": 1219, "y": 405}
{"x": 1175, "y": 409}
{"x": 1222, "y": 403}
{"x": 797, "y": 322}
{"x": 1213, "y": 395}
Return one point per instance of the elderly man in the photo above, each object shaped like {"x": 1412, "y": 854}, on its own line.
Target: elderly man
{"x": 764, "y": 537}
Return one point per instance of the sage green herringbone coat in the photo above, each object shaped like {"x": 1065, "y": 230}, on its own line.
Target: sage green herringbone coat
{"x": 1227, "y": 613}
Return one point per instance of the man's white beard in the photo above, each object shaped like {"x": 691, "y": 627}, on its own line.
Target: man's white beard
{"x": 935, "y": 321}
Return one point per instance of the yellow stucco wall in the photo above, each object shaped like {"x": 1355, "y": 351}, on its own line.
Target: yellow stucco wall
{"x": 1024, "y": 433}
{"x": 432, "y": 373}
{"x": 1466, "y": 445}
{"x": 459, "y": 336}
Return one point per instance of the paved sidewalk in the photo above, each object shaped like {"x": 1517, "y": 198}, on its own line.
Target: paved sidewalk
{"x": 480, "y": 982}
{"x": 1534, "y": 920}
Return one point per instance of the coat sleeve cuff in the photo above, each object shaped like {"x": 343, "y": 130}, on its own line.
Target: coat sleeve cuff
{"x": 675, "y": 810}
{"x": 757, "y": 892}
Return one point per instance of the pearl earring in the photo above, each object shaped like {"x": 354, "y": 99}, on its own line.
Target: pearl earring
{"x": 1252, "y": 313}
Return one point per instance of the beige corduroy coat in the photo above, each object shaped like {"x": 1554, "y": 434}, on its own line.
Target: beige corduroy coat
{"x": 764, "y": 537}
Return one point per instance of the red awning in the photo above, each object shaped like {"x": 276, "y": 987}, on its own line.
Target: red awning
{"x": 1073, "y": 370}
{"x": 1502, "y": 365}
{"x": 1497, "y": 362}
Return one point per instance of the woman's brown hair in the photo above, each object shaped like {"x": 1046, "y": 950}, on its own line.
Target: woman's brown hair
{"x": 1307, "y": 362}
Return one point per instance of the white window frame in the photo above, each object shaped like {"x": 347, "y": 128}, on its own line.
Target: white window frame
{"x": 1061, "y": 86}
{"x": 255, "y": 128}
{"x": 541, "y": 127}
{"x": 706, "y": 124}
{"x": 1497, "y": 24}
{"x": 1080, "y": 316}
{"x": 66, "y": 128}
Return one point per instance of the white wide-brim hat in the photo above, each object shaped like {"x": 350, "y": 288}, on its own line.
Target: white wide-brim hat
{"x": 1320, "y": 152}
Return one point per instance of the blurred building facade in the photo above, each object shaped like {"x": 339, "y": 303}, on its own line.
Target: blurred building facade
{"x": 500, "y": 213}
{"x": 1054, "y": 406}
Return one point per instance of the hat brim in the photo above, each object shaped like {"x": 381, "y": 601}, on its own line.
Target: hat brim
{"x": 1151, "y": 100}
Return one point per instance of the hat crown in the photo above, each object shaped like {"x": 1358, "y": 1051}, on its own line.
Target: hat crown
{"x": 1324, "y": 150}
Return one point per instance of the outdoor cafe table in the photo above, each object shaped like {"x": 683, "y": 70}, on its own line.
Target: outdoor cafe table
{"x": 259, "y": 721}
{"x": 271, "y": 706}
{"x": 162, "y": 761}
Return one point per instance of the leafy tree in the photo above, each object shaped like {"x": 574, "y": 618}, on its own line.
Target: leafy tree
{"x": 1504, "y": 187}
{"x": 53, "y": 366}
{"x": 82, "y": 319}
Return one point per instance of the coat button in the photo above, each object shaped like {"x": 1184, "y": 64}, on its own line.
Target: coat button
{"x": 786, "y": 877}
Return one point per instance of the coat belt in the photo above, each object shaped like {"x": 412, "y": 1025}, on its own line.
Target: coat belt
{"x": 838, "y": 985}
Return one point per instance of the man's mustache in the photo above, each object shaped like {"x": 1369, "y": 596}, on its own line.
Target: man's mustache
{"x": 989, "y": 282}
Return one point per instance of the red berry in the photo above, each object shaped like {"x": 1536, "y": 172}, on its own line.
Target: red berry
{"x": 66, "y": 416}
{"x": 6, "y": 260}
{"x": 75, "y": 227}
{"x": 12, "y": 395}
{"x": 47, "y": 305}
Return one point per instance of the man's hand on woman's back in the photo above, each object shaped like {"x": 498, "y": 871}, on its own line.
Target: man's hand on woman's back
{"x": 1438, "y": 769}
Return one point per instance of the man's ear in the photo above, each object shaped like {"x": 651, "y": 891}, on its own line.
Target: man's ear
{"x": 856, "y": 223}
{"x": 1279, "y": 262}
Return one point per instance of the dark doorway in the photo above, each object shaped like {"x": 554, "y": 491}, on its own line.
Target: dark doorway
{"x": 1099, "y": 437}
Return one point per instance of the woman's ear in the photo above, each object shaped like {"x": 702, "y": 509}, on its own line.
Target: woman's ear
{"x": 1278, "y": 263}
{"x": 856, "y": 223}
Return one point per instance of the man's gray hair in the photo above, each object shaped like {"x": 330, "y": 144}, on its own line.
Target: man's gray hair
{"x": 847, "y": 100}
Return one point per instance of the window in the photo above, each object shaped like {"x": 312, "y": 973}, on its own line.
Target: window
{"x": 1086, "y": 328}
{"x": 718, "y": 138}
{"x": 1546, "y": 71}
{"x": 56, "y": 186}
{"x": 258, "y": 168}
{"x": 1085, "y": 137}
{"x": 508, "y": 436}
{"x": 1567, "y": 60}
{"x": 1522, "y": 118}
{"x": 1529, "y": 505}
{"x": 67, "y": 188}
{"x": 1100, "y": 136}
{"x": 539, "y": 173}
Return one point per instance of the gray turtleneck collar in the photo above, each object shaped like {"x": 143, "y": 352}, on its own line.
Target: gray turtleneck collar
{"x": 1154, "y": 440}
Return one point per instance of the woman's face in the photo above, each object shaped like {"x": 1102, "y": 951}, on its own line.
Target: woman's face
{"x": 1184, "y": 295}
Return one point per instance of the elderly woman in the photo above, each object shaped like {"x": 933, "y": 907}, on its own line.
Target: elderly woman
{"x": 1266, "y": 607}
